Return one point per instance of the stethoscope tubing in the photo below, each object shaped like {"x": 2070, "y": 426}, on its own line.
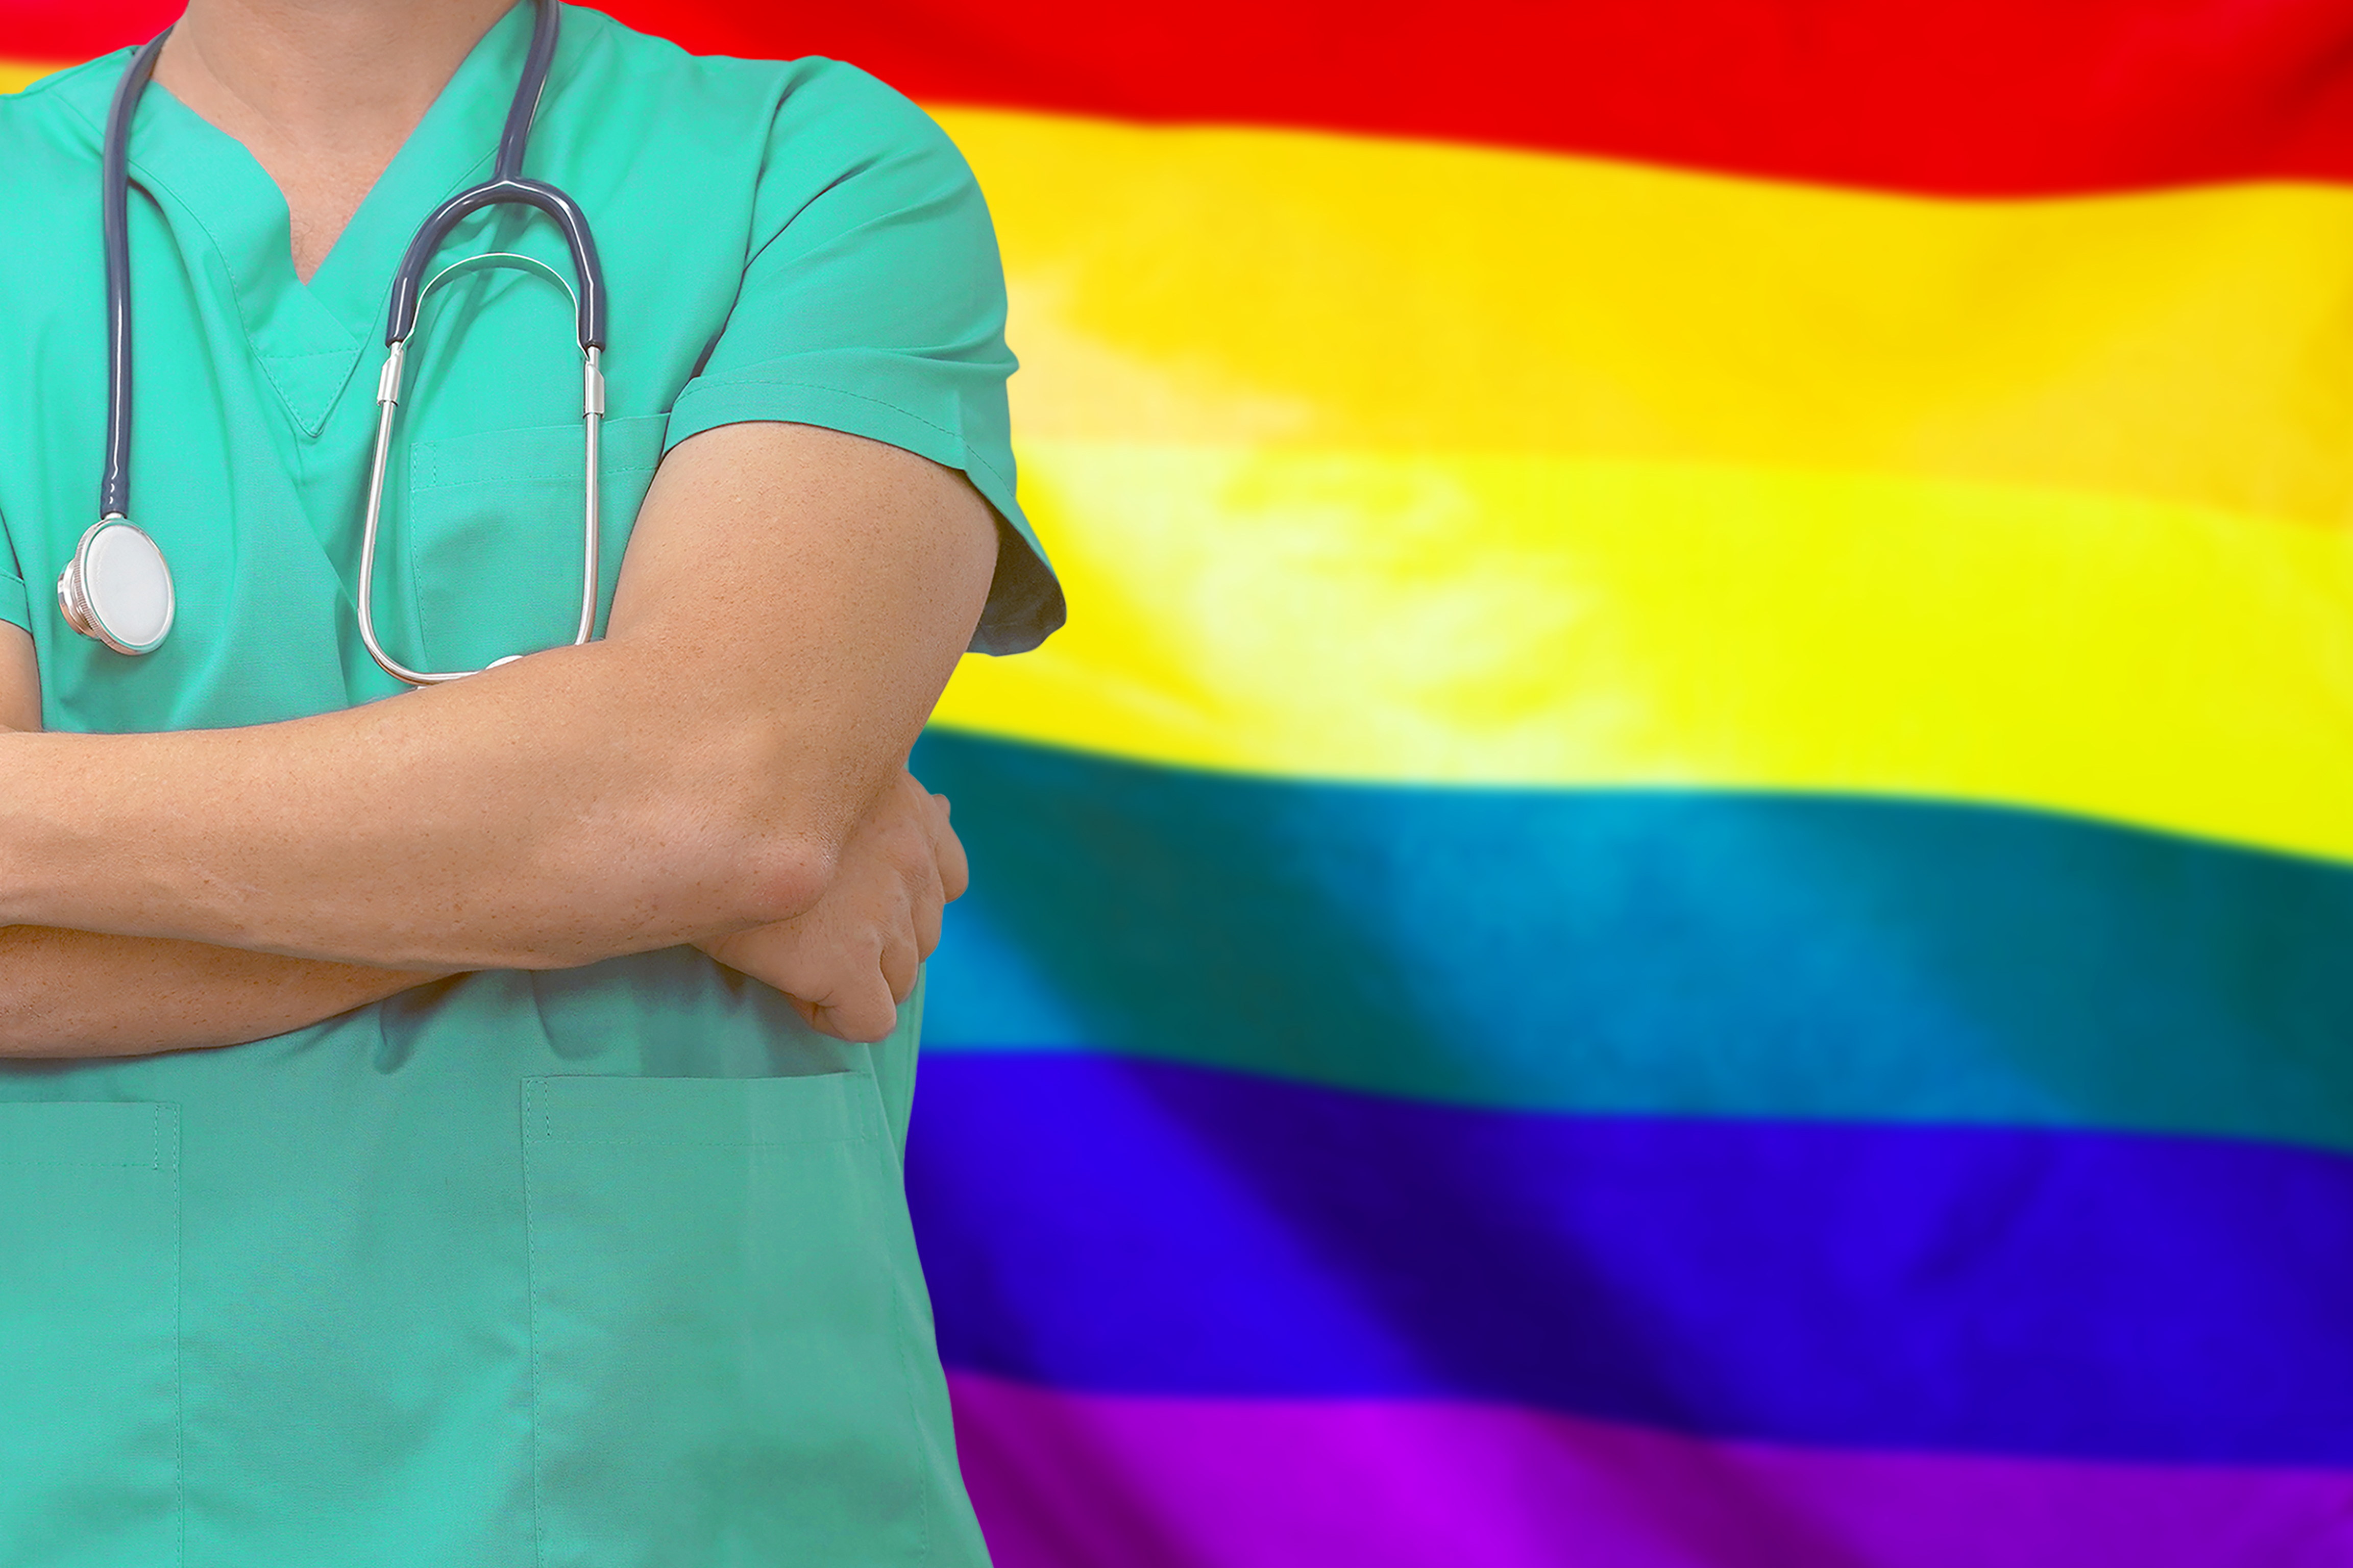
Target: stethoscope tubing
{"x": 114, "y": 489}
{"x": 407, "y": 285}
{"x": 507, "y": 186}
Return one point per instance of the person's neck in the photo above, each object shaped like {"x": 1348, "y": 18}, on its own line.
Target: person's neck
{"x": 321, "y": 93}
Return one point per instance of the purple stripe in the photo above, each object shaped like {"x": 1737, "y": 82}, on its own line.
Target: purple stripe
{"x": 1066, "y": 1480}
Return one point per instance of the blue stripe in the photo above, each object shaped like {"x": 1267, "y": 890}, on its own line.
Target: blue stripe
{"x": 1648, "y": 952}
{"x": 1116, "y": 1225}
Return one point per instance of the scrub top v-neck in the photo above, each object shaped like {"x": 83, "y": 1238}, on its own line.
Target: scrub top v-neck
{"x": 609, "y": 1266}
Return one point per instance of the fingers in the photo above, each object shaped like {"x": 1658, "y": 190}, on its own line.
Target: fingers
{"x": 865, "y": 1021}
{"x": 902, "y": 962}
{"x": 842, "y": 982}
{"x": 931, "y": 906}
{"x": 852, "y": 961}
{"x": 863, "y": 1005}
{"x": 909, "y": 939}
{"x": 942, "y": 882}
{"x": 947, "y": 853}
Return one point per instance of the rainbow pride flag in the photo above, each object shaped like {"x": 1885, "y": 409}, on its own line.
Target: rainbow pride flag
{"x": 1683, "y": 895}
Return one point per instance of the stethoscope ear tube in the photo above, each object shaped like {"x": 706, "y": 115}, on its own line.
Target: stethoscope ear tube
{"x": 508, "y": 186}
{"x": 387, "y": 397}
{"x": 408, "y": 283}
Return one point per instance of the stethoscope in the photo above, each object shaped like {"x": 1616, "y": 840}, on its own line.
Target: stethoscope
{"x": 117, "y": 588}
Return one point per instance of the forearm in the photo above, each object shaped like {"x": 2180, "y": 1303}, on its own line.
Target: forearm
{"x": 551, "y": 813}
{"x": 68, "y": 994}
{"x": 693, "y": 775}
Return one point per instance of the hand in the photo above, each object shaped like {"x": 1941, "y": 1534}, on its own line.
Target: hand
{"x": 848, "y": 960}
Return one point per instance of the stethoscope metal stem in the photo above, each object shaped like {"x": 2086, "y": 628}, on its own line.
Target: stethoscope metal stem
{"x": 387, "y": 397}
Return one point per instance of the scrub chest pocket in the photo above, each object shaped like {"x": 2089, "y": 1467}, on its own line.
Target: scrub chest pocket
{"x": 90, "y": 1308}
{"x": 719, "y": 1357}
{"x": 493, "y": 536}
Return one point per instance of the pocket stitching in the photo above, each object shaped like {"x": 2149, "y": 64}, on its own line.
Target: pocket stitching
{"x": 908, "y": 1383}
{"x": 164, "y": 1125}
{"x": 179, "y": 1326}
{"x": 706, "y": 1142}
{"x": 428, "y": 455}
{"x": 539, "y": 1098}
{"x": 425, "y": 486}
{"x": 154, "y": 1162}
{"x": 540, "y": 1094}
{"x": 531, "y": 1329}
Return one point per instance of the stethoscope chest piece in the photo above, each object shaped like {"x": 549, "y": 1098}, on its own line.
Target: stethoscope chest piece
{"x": 118, "y": 589}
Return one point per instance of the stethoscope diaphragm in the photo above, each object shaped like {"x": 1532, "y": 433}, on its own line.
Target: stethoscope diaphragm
{"x": 117, "y": 588}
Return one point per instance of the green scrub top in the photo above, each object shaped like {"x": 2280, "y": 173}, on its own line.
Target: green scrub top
{"x": 604, "y": 1266}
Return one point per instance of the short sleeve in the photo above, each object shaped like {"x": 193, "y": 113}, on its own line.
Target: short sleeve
{"x": 15, "y": 604}
{"x": 873, "y": 302}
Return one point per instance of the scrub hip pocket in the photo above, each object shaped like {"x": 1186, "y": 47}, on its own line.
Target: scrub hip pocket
{"x": 718, "y": 1342}
{"x": 89, "y": 1341}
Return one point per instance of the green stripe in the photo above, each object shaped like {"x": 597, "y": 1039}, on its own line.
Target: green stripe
{"x": 1652, "y": 952}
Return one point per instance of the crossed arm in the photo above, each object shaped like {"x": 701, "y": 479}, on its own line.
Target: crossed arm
{"x": 726, "y": 768}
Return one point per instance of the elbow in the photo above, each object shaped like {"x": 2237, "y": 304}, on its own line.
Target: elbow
{"x": 777, "y": 874}
{"x": 772, "y": 857}
{"x": 769, "y": 819}
{"x": 700, "y": 836}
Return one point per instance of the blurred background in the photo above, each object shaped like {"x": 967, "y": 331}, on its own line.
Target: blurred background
{"x": 1679, "y": 897}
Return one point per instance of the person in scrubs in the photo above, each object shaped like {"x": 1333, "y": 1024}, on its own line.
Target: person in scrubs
{"x": 462, "y": 1126}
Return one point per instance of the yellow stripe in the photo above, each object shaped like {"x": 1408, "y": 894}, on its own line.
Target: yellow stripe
{"x": 1276, "y": 288}
{"x": 15, "y": 75}
{"x": 1562, "y": 621}
{"x": 1396, "y": 462}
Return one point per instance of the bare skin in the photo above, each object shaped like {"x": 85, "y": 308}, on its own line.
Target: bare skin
{"x": 71, "y": 992}
{"x": 321, "y": 93}
{"x": 725, "y": 768}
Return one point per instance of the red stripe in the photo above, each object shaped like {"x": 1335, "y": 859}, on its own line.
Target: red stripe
{"x": 64, "y": 30}
{"x": 1958, "y": 97}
